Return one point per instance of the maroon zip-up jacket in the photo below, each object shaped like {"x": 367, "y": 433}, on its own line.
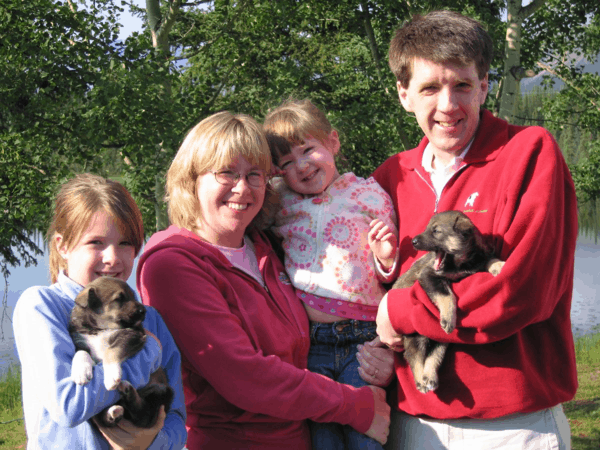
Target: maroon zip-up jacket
{"x": 244, "y": 347}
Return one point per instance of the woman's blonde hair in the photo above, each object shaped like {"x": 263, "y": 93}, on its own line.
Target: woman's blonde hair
{"x": 213, "y": 144}
{"x": 291, "y": 123}
{"x": 76, "y": 203}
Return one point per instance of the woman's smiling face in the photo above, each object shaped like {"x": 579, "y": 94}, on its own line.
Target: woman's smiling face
{"x": 227, "y": 210}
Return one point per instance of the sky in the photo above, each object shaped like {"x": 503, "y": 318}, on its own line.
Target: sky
{"x": 130, "y": 23}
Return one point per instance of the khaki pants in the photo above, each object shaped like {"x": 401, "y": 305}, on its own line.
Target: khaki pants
{"x": 542, "y": 430}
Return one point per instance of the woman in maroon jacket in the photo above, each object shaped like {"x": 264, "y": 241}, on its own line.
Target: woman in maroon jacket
{"x": 227, "y": 300}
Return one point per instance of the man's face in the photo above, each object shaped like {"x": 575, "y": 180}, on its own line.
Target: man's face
{"x": 446, "y": 99}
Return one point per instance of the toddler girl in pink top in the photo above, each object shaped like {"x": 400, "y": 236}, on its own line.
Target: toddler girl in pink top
{"x": 339, "y": 237}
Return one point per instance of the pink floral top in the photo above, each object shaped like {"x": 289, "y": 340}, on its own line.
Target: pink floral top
{"x": 325, "y": 239}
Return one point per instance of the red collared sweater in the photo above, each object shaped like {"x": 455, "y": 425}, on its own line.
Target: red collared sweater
{"x": 244, "y": 347}
{"x": 512, "y": 350}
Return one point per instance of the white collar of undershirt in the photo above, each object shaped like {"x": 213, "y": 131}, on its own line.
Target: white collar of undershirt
{"x": 451, "y": 167}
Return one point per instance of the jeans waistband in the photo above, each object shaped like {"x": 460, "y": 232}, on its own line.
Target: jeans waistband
{"x": 364, "y": 330}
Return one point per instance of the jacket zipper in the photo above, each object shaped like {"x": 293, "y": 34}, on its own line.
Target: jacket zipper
{"x": 438, "y": 197}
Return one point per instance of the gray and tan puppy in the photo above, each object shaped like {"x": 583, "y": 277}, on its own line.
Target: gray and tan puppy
{"x": 456, "y": 250}
{"x": 106, "y": 326}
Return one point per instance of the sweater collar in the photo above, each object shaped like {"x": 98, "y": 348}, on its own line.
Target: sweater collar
{"x": 174, "y": 236}
{"x": 68, "y": 286}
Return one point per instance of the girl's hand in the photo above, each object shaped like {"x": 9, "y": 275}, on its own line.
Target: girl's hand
{"x": 126, "y": 436}
{"x": 380, "y": 427}
{"x": 383, "y": 242}
{"x": 376, "y": 363}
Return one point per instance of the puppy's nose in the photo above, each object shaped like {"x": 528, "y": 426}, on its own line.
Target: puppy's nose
{"x": 415, "y": 242}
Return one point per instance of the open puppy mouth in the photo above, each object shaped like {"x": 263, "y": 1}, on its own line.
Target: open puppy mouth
{"x": 440, "y": 259}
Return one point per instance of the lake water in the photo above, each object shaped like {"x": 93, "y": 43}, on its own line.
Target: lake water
{"x": 585, "y": 311}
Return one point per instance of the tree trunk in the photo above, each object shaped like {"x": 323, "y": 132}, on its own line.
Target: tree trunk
{"x": 377, "y": 60}
{"x": 513, "y": 72}
{"x": 159, "y": 28}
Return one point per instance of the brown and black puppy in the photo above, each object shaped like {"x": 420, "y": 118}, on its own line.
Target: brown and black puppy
{"x": 106, "y": 326}
{"x": 456, "y": 250}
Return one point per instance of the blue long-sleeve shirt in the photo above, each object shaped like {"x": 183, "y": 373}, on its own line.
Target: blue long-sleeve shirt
{"x": 57, "y": 411}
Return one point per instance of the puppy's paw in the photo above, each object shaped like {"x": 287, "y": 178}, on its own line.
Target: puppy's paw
{"x": 114, "y": 413}
{"x": 495, "y": 267}
{"x": 112, "y": 376}
{"x": 427, "y": 384}
{"x": 448, "y": 323}
{"x": 125, "y": 388}
{"x": 82, "y": 368}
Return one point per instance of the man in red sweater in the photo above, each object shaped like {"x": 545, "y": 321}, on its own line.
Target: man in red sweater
{"x": 511, "y": 360}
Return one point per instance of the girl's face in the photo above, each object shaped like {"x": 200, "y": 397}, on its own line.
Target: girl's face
{"x": 310, "y": 167}
{"x": 227, "y": 209}
{"x": 102, "y": 250}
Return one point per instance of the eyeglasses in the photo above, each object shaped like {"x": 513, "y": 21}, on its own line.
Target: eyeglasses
{"x": 256, "y": 178}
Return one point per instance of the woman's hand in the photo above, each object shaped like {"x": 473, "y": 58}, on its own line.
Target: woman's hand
{"x": 380, "y": 427}
{"x": 376, "y": 363}
{"x": 385, "y": 330}
{"x": 126, "y": 436}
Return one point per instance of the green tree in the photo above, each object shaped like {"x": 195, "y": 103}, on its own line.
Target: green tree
{"x": 73, "y": 96}
{"x": 542, "y": 32}
{"x": 50, "y": 53}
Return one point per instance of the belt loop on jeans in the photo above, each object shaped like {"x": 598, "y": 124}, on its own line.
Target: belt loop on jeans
{"x": 313, "y": 329}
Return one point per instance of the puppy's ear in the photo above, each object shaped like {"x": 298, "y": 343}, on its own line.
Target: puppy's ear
{"x": 462, "y": 225}
{"x": 93, "y": 301}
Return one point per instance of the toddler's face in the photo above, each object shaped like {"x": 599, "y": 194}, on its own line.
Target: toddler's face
{"x": 310, "y": 167}
{"x": 102, "y": 250}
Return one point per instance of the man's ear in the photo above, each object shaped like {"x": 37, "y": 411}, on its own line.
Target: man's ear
{"x": 403, "y": 96}
{"x": 334, "y": 142}
{"x": 484, "y": 89}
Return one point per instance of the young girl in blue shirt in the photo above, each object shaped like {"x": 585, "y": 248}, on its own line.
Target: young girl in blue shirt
{"x": 96, "y": 231}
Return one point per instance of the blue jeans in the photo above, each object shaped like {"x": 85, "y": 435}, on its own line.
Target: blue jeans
{"x": 333, "y": 348}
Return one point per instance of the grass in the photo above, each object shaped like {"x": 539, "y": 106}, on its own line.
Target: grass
{"x": 12, "y": 430}
{"x": 583, "y": 411}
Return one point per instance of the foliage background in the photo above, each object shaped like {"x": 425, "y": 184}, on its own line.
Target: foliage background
{"x": 74, "y": 98}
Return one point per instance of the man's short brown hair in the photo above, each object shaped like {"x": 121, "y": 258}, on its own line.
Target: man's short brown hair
{"x": 441, "y": 37}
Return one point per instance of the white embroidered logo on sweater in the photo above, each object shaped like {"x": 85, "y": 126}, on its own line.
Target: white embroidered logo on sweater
{"x": 471, "y": 199}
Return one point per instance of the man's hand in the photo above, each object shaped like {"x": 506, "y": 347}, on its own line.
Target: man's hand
{"x": 385, "y": 330}
{"x": 376, "y": 363}
{"x": 126, "y": 436}
{"x": 383, "y": 242}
